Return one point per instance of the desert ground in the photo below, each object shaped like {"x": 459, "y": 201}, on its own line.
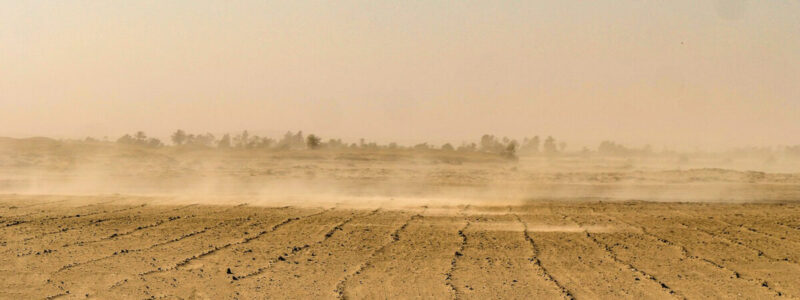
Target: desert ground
{"x": 109, "y": 222}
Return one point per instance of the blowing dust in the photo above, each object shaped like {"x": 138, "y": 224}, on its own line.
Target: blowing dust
{"x": 373, "y": 178}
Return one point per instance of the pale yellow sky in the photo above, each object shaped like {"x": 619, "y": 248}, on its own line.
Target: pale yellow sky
{"x": 706, "y": 73}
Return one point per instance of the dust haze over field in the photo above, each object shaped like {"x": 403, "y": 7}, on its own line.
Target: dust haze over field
{"x": 493, "y": 170}
{"x": 449, "y": 150}
{"x": 248, "y": 217}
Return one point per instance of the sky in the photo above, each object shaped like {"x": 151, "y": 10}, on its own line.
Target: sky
{"x": 667, "y": 73}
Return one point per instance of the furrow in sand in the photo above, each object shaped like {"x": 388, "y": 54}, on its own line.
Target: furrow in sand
{"x": 758, "y": 252}
{"x": 296, "y": 250}
{"x": 23, "y": 207}
{"x": 496, "y": 248}
{"x": 135, "y": 230}
{"x": 340, "y": 287}
{"x": 686, "y": 253}
{"x": 17, "y": 221}
{"x": 752, "y": 230}
{"x": 538, "y": 263}
{"x": 152, "y": 246}
{"x": 642, "y": 253}
{"x": 36, "y": 242}
{"x": 454, "y": 261}
{"x": 763, "y": 226}
{"x": 792, "y": 227}
{"x": 222, "y": 272}
{"x": 683, "y": 250}
{"x": 57, "y": 296}
{"x": 140, "y": 257}
{"x": 147, "y": 247}
{"x": 419, "y": 258}
{"x": 228, "y": 245}
{"x": 741, "y": 226}
{"x": 614, "y": 257}
{"x": 627, "y": 265}
{"x": 66, "y": 229}
{"x": 84, "y": 215}
{"x": 769, "y": 245}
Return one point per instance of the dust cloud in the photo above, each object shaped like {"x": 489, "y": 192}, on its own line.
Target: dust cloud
{"x": 372, "y": 175}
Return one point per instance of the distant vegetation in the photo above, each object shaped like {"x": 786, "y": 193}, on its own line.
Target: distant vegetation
{"x": 140, "y": 139}
{"x": 612, "y": 148}
{"x": 503, "y": 146}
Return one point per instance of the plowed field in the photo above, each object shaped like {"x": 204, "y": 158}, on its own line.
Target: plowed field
{"x": 126, "y": 247}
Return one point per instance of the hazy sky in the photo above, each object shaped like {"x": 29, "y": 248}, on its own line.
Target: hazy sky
{"x": 708, "y": 73}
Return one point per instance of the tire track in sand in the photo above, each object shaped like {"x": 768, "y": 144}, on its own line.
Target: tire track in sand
{"x": 538, "y": 263}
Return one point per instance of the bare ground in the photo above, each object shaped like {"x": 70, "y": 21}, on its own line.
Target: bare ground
{"x": 108, "y": 247}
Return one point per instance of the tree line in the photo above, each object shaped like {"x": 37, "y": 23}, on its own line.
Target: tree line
{"x": 487, "y": 143}
{"x": 503, "y": 146}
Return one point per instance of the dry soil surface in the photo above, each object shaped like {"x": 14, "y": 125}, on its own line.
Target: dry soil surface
{"x": 137, "y": 248}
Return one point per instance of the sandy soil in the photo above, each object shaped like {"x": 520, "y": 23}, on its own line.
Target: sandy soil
{"x": 137, "y": 247}
{"x": 105, "y": 221}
